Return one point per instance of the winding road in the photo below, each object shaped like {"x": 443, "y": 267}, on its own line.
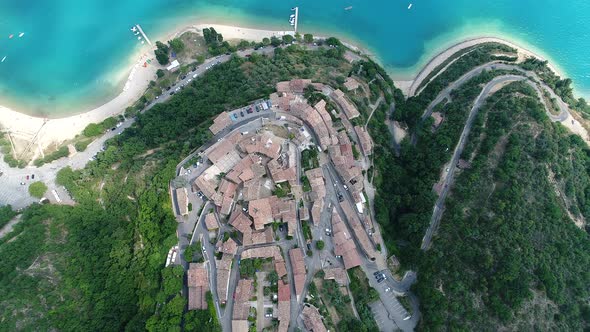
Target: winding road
{"x": 488, "y": 90}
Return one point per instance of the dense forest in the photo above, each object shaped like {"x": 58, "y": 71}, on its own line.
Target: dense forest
{"x": 508, "y": 254}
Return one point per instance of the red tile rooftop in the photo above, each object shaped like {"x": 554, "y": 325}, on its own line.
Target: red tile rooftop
{"x": 198, "y": 285}
{"x": 240, "y": 221}
{"x": 347, "y": 107}
{"x": 211, "y": 221}
{"x": 261, "y": 211}
{"x": 182, "y": 201}
{"x": 284, "y": 291}
{"x": 229, "y": 247}
{"x": 312, "y": 319}
{"x": 298, "y": 266}
{"x": 197, "y": 275}
{"x": 221, "y": 122}
{"x": 337, "y": 274}
{"x": 365, "y": 140}
{"x": 351, "y": 84}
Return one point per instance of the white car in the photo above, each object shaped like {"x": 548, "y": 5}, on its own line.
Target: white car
{"x": 195, "y": 75}
{"x": 190, "y": 79}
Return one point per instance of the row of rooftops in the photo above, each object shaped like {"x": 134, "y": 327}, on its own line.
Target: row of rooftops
{"x": 338, "y": 144}
{"x": 198, "y": 285}
{"x": 298, "y": 265}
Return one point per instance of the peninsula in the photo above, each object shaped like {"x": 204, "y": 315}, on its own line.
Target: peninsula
{"x": 270, "y": 181}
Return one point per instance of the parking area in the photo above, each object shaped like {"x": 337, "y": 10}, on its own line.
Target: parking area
{"x": 251, "y": 110}
{"x": 382, "y": 317}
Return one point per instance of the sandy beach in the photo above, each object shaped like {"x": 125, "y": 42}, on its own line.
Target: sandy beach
{"x": 409, "y": 87}
{"x": 46, "y": 132}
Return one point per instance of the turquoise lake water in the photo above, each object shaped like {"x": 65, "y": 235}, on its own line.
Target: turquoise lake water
{"x": 65, "y": 62}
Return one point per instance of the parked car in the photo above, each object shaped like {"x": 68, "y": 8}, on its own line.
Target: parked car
{"x": 242, "y": 113}
{"x": 183, "y": 77}
{"x": 32, "y": 176}
{"x": 27, "y": 177}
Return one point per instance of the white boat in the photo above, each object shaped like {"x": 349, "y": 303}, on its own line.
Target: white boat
{"x": 21, "y": 34}
{"x": 410, "y": 6}
{"x": 142, "y": 42}
{"x": 4, "y": 58}
{"x": 139, "y": 38}
{"x": 134, "y": 28}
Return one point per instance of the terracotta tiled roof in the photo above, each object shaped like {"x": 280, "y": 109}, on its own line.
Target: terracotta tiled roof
{"x": 198, "y": 285}
{"x": 182, "y": 201}
{"x": 349, "y": 109}
{"x": 211, "y": 221}
{"x": 338, "y": 274}
{"x": 221, "y": 122}
{"x": 261, "y": 211}
{"x": 312, "y": 319}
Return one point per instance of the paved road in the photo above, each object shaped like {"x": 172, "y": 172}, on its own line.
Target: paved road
{"x": 12, "y": 192}
{"x": 450, "y": 170}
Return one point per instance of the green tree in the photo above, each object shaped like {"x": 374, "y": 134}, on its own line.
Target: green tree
{"x": 160, "y": 73}
{"x": 319, "y": 244}
{"x": 177, "y": 45}
{"x": 162, "y": 53}
{"x": 287, "y": 39}
{"x": 37, "y": 189}
{"x": 265, "y": 41}
{"x": 274, "y": 41}
{"x": 308, "y": 38}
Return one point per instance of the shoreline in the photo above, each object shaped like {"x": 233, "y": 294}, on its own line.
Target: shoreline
{"x": 47, "y": 131}
{"x": 409, "y": 86}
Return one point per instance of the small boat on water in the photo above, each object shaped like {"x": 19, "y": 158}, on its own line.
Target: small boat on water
{"x": 348, "y": 8}
{"x": 134, "y": 28}
{"x": 139, "y": 38}
{"x": 4, "y": 58}
{"x": 21, "y": 34}
{"x": 410, "y": 6}
{"x": 10, "y": 37}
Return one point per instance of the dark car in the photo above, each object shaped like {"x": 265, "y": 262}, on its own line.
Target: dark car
{"x": 168, "y": 88}
{"x": 309, "y": 246}
{"x": 113, "y": 129}
{"x": 340, "y": 197}
{"x": 242, "y": 113}
{"x": 249, "y": 110}
{"x": 193, "y": 69}
{"x": 171, "y": 93}
{"x": 183, "y": 77}
{"x": 33, "y": 176}
{"x": 377, "y": 273}
{"x": 228, "y": 53}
